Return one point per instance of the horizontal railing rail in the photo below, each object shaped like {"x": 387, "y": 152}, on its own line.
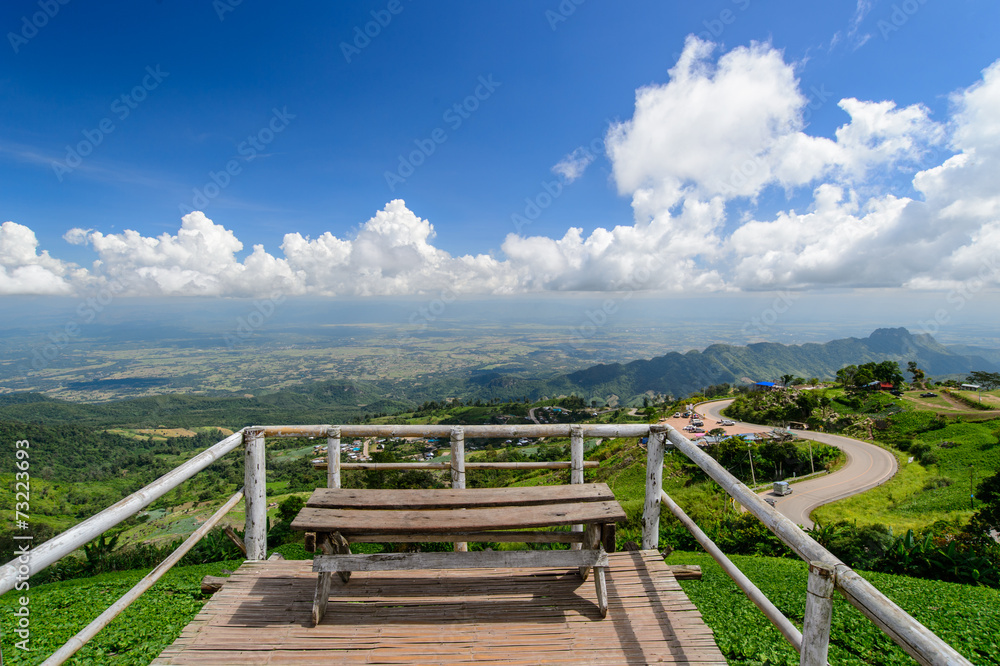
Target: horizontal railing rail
{"x": 604, "y": 430}
{"x": 468, "y": 465}
{"x": 75, "y": 537}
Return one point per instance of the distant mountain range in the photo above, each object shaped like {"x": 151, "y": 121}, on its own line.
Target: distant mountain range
{"x": 681, "y": 374}
{"x": 676, "y": 374}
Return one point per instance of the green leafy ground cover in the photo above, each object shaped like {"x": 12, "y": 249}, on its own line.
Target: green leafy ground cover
{"x": 59, "y": 610}
{"x": 966, "y": 617}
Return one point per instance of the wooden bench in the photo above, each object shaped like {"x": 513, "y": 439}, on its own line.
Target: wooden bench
{"x": 333, "y": 518}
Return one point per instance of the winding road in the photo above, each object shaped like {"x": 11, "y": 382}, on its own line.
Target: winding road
{"x": 867, "y": 466}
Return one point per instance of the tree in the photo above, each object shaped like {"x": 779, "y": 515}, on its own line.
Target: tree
{"x": 858, "y": 376}
{"x": 987, "y": 380}
{"x": 846, "y": 375}
{"x": 289, "y": 508}
{"x": 863, "y": 376}
{"x": 787, "y": 379}
{"x": 917, "y": 373}
{"x": 988, "y": 492}
{"x": 888, "y": 372}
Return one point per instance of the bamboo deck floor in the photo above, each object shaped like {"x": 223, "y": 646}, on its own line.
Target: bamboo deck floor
{"x": 502, "y": 616}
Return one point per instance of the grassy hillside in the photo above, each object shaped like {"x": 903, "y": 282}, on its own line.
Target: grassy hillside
{"x": 941, "y": 460}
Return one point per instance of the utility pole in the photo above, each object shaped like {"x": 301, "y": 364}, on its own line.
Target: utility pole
{"x": 752, "y": 475}
{"x": 972, "y": 487}
{"x": 811, "y": 466}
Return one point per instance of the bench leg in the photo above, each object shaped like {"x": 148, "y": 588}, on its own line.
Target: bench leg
{"x": 322, "y": 596}
{"x": 591, "y": 541}
{"x": 602, "y": 591}
{"x": 339, "y": 546}
{"x": 330, "y": 544}
{"x": 333, "y": 543}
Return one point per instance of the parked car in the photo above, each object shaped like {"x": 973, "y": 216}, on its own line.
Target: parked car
{"x": 728, "y": 423}
{"x": 928, "y": 395}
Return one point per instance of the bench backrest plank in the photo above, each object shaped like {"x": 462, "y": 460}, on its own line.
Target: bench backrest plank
{"x": 350, "y": 498}
{"x": 348, "y": 521}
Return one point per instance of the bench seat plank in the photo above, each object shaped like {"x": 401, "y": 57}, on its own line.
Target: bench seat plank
{"x": 351, "y": 498}
{"x": 562, "y": 559}
{"x": 353, "y": 521}
{"x": 511, "y": 536}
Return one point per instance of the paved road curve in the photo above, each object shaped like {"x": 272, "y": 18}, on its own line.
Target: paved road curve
{"x": 867, "y": 466}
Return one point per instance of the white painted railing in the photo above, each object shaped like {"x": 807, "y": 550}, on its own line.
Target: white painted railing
{"x": 826, "y": 571}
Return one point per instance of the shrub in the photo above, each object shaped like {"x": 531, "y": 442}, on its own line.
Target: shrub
{"x": 937, "y": 482}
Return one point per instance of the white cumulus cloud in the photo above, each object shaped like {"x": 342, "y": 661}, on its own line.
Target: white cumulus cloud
{"x": 710, "y": 140}
{"x": 24, "y": 271}
{"x": 391, "y": 254}
{"x": 573, "y": 165}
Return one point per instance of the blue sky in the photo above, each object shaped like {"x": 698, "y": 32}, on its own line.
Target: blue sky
{"x": 713, "y": 134}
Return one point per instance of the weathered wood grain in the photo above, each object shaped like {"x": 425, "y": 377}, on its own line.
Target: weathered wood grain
{"x": 685, "y": 571}
{"x": 447, "y": 498}
{"x": 510, "y": 536}
{"x": 483, "y": 559}
{"x": 475, "y": 616}
{"x": 351, "y": 521}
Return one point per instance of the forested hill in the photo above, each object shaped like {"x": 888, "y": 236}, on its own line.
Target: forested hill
{"x": 343, "y": 401}
{"x": 681, "y": 374}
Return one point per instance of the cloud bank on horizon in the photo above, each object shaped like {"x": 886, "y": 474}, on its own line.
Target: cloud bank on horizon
{"x": 697, "y": 156}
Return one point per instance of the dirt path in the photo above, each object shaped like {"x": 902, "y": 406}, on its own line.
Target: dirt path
{"x": 936, "y": 408}
{"x": 965, "y": 408}
{"x": 955, "y": 403}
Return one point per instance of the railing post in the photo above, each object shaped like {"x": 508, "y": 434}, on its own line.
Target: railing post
{"x": 255, "y": 494}
{"x": 819, "y": 610}
{"x": 458, "y": 470}
{"x": 576, "y": 467}
{"x": 654, "y": 486}
{"x": 576, "y": 454}
{"x": 333, "y": 457}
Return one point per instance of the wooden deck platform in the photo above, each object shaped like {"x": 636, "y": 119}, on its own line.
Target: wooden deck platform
{"x": 515, "y": 616}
